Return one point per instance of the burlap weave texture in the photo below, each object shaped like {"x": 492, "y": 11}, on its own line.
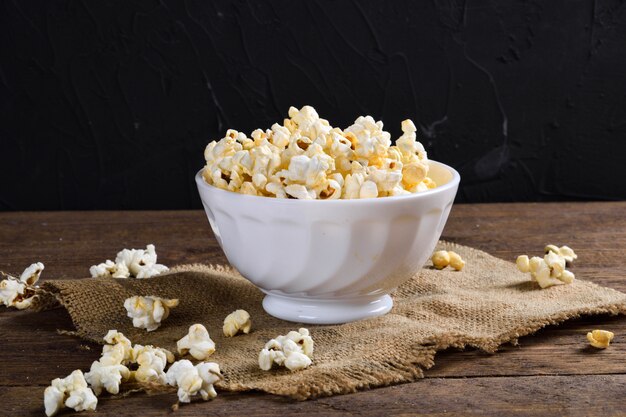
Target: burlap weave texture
{"x": 485, "y": 305}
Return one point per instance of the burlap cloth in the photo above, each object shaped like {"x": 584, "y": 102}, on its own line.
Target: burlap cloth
{"x": 483, "y": 306}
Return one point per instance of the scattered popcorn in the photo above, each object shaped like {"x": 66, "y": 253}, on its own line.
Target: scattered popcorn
{"x": 106, "y": 376}
{"x": 152, "y": 362}
{"x": 210, "y": 374}
{"x": 549, "y": 270}
{"x": 20, "y": 292}
{"x": 138, "y": 263}
{"x": 71, "y": 391}
{"x": 148, "y": 312}
{"x": 306, "y": 158}
{"x": 238, "y": 320}
{"x": 442, "y": 259}
{"x": 565, "y": 252}
{"x": 118, "y": 347}
{"x": 523, "y": 263}
{"x": 600, "y": 339}
{"x": 112, "y": 369}
{"x": 294, "y": 351}
{"x": 456, "y": 261}
{"x": 197, "y": 342}
{"x": 192, "y": 380}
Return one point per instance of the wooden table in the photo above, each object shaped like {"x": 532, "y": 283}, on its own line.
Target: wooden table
{"x": 551, "y": 373}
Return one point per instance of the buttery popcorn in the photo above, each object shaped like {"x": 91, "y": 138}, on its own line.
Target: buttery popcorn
{"x": 71, "y": 392}
{"x": 20, "y": 292}
{"x": 306, "y": 158}
{"x": 138, "y": 263}
{"x": 148, "y": 312}
{"x": 197, "y": 342}
{"x": 549, "y": 270}
{"x": 237, "y": 321}
{"x": 294, "y": 351}
{"x": 600, "y": 339}
{"x": 443, "y": 258}
{"x": 192, "y": 380}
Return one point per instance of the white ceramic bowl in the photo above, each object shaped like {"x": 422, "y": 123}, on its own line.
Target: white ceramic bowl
{"x": 329, "y": 261}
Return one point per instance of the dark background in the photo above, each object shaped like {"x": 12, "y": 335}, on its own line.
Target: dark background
{"x": 109, "y": 104}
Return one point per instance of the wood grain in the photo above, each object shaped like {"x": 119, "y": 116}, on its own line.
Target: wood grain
{"x": 550, "y": 373}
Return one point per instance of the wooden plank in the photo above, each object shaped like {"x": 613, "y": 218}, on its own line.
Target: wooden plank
{"x": 590, "y": 395}
{"x": 32, "y": 352}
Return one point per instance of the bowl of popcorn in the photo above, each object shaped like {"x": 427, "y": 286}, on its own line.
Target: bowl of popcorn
{"x": 326, "y": 222}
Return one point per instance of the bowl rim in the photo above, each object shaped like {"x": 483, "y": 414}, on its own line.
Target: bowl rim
{"x": 454, "y": 182}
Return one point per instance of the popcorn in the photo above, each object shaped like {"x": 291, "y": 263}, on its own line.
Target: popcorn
{"x": 549, "y": 270}
{"x": 600, "y": 339}
{"x": 152, "y": 362}
{"x": 71, "y": 391}
{"x": 368, "y": 190}
{"x": 20, "y": 292}
{"x": 118, "y": 346}
{"x": 238, "y": 320}
{"x": 456, "y": 261}
{"x": 112, "y": 369}
{"x": 148, "y": 312}
{"x": 306, "y": 158}
{"x": 210, "y": 374}
{"x": 197, "y": 342}
{"x": 565, "y": 252}
{"x": 440, "y": 259}
{"x": 443, "y": 258}
{"x": 300, "y": 192}
{"x": 294, "y": 351}
{"x": 138, "y": 263}
{"x": 106, "y": 376}
{"x": 192, "y": 380}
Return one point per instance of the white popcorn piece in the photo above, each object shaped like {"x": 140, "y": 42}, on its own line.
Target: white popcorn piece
{"x": 549, "y": 270}
{"x": 192, "y": 380}
{"x": 106, "y": 376}
{"x": 31, "y": 275}
{"x": 20, "y": 292}
{"x": 138, "y": 263}
{"x": 297, "y": 361}
{"x": 407, "y": 143}
{"x": 148, "y": 312}
{"x": 237, "y": 321}
{"x": 210, "y": 374}
{"x": 110, "y": 269}
{"x": 565, "y": 252}
{"x": 152, "y": 362}
{"x": 299, "y": 158}
{"x": 368, "y": 190}
{"x": 72, "y": 392}
{"x": 10, "y": 291}
{"x": 197, "y": 343}
{"x": 300, "y": 192}
{"x": 294, "y": 351}
{"x": 523, "y": 263}
{"x": 119, "y": 348}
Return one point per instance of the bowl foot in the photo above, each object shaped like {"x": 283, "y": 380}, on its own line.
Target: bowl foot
{"x": 316, "y": 311}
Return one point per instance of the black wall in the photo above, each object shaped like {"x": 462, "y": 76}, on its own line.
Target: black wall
{"x": 109, "y": 104}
